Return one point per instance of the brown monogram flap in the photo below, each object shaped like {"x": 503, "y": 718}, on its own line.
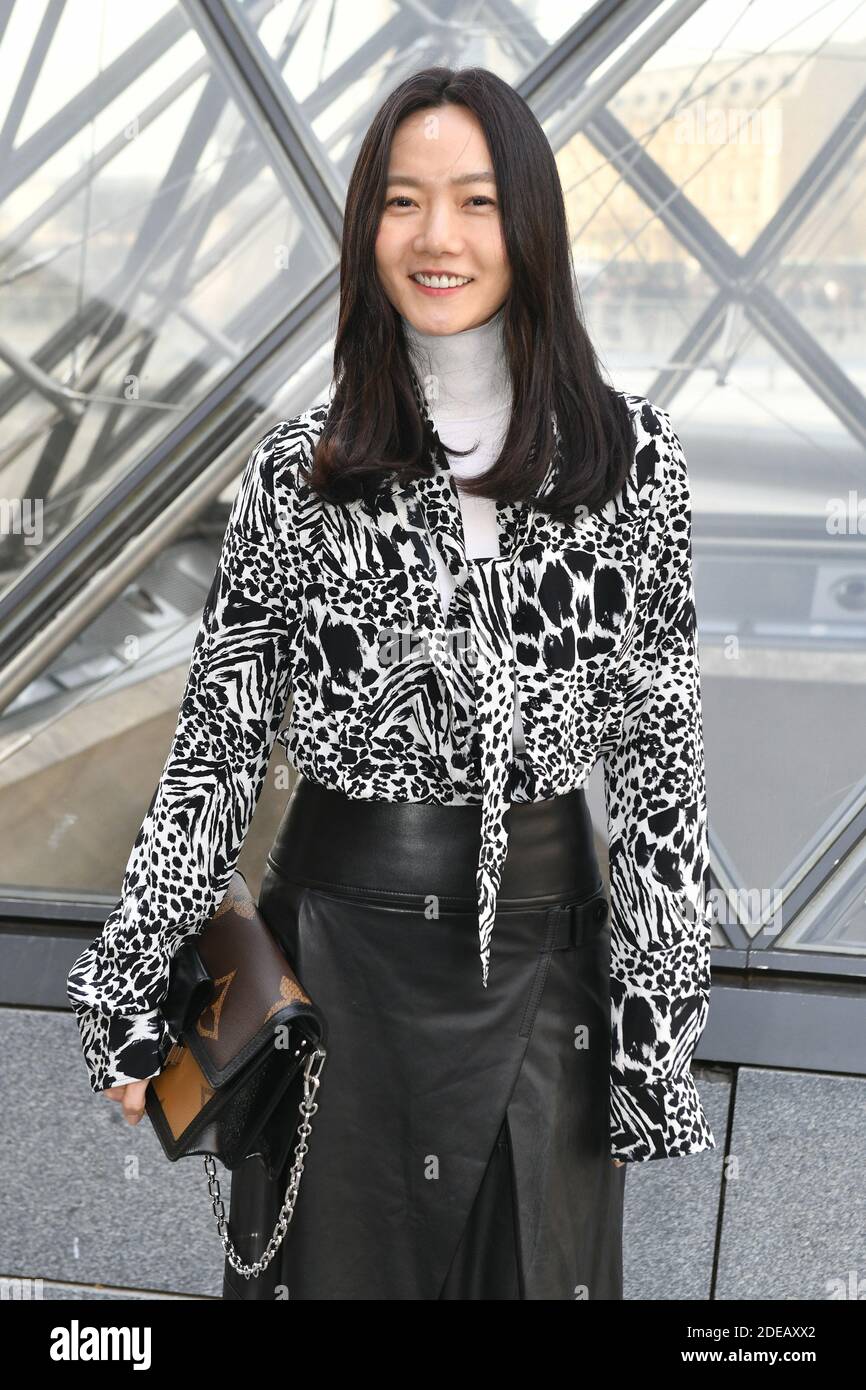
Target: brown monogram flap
{"x": 257, "y": 997}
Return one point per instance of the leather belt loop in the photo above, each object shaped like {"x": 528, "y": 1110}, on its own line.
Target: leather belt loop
{"x": 562, "y": 927}
{"x": 578, "y": 923}
{"x": 588, "y": 919}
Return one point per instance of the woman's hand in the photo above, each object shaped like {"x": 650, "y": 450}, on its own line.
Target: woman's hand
{"x": 131, "y": 1097}
{"x": 618, "y": 1162}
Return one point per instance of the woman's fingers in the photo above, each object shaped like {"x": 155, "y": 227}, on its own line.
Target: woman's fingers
{"x": 131, "y": 1097}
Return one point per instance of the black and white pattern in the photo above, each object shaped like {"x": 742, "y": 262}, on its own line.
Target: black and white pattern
{"x": 338, "y": 607}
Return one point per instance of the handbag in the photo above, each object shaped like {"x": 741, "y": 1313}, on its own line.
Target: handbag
{"x": 244, "y": 1029}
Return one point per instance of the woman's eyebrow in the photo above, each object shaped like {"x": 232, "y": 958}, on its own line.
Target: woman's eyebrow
{"x": 485, "y": 176}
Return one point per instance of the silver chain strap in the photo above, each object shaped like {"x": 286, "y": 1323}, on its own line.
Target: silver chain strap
{"x": 308, "y": 1108}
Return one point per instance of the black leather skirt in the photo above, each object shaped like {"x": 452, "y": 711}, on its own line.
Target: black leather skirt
{"x": 461, "y": 1146}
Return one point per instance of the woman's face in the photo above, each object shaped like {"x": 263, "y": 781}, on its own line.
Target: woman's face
{"x": 441, "y": 218}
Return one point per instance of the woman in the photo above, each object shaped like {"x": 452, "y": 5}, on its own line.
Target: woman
{"x": 458, "y": 658}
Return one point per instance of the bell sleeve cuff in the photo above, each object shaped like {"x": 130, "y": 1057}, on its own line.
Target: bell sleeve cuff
{"x": 119, "y": 1048}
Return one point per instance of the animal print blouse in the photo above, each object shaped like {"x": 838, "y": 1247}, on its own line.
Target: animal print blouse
{"x": 596, "y": 619}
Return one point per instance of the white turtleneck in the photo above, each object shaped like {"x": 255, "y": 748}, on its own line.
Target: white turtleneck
{"x": 473, "y": 406}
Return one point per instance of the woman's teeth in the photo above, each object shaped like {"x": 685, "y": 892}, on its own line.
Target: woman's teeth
{"x": 441, "y": 282}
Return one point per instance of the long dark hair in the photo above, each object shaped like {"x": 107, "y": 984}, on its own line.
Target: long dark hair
{"x": 374, "y": 426}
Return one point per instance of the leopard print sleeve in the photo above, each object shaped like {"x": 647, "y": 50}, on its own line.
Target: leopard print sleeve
{"x": 655, "y": 794}
{"x": 186, "y": 850}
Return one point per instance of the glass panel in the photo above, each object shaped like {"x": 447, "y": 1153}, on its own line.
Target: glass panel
{"x": 148, "y": 244}
{"x": 834, "y": 921}
{"x": 641, "y": 289}
{"x": 347, "y": 57}
{"x": 780, "y": 789}
{"x": 338, "y": 60}
{"x": 741, "y": 98}
{"x": 140, "y": 197}
{"x": 772, "y": 428}
{"x": 821, "y": 277}
{"x": 83, "y": 746}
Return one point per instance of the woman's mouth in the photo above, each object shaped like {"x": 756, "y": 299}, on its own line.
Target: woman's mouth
{"x": 440, "y": 284}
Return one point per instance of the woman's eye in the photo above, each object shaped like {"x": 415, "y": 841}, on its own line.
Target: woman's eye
{"x": 478, "y": 198}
